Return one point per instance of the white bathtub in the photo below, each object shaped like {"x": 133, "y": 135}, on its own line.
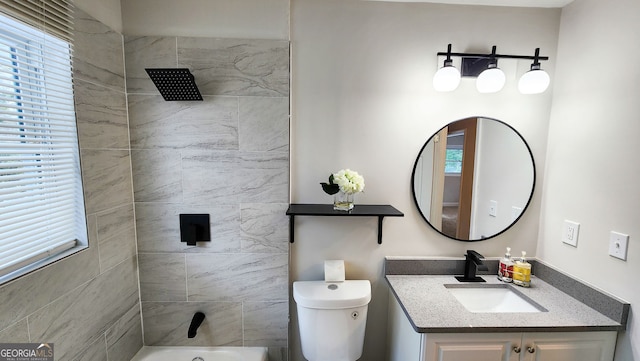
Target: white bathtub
{"x": 188, "y": 353}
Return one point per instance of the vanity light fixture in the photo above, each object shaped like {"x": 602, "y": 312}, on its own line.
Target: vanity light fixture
{"x": 491, "y": 79}
{"x": 536, "y": 80}
{"x": 447, "y": 78}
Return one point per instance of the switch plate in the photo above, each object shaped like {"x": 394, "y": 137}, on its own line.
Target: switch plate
{"x": 493, "y": 208}
{"x": 515, "y": 213}
{"x": 570, "y": 232}
{"x": 618, "y": 244}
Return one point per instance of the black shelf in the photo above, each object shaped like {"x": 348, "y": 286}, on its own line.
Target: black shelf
{"x": 326, "y": 210}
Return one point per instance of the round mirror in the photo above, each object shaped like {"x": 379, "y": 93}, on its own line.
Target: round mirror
{"x": 473, "y": 179}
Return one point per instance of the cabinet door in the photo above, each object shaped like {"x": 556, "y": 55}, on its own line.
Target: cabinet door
{"x": 569, "y": 346}
{"x": 403, "y": 342}
{"x": 471, "y": 347}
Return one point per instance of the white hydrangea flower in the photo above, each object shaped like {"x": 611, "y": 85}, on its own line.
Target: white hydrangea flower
{"x": 349, "y": 181}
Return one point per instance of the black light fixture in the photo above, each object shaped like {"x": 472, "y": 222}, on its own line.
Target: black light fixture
{"x": 448, "y": 77}
{"x": 491, "y": 78}
{"x": 536, "y": 80}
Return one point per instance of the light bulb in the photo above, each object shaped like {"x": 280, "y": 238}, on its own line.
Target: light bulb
{"x": 446, "y": 78}
{"x": 535, "y": 81}
{"x": 491, "y": 80}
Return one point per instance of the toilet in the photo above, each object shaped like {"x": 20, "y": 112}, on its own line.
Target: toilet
{"x": 332, "y": 317}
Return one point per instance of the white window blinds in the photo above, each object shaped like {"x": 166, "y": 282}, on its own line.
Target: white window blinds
{"x": 41, "y": 194}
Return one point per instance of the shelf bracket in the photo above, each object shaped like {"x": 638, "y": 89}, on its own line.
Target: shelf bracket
{"x": 292, "y": 220}
{"x": 380, "y": 218}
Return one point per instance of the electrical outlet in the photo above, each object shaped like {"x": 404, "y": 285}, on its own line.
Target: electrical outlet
{"x": 493, "y": 208}
{"x": 618, "y": 244}
{"x": 570, "y": 232}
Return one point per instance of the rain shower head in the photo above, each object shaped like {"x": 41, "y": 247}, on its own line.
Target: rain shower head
{"x": 175, "y": 83}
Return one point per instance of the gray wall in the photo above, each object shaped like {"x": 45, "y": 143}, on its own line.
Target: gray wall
{"x": 87, "y": 304}
{"x": 227, "y": 156}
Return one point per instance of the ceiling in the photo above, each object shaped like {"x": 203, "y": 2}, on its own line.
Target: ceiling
{"x": 517, "y": 3}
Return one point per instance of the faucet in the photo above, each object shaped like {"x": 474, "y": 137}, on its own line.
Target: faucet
{"x": 472, "y": 263}
{"x": 196, "y": 321}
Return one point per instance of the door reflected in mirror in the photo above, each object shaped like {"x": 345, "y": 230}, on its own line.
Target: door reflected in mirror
{"x": 473, "y": 179}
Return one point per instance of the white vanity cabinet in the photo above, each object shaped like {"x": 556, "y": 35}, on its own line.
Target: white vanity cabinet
{"x": 404, "y": 344}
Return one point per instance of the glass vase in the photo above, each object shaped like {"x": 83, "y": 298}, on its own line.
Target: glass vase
{"x": 343, "y": 201}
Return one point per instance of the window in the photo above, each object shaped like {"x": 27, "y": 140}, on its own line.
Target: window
{"x": 41, "y": 197}
{"x": 453, "y": 161}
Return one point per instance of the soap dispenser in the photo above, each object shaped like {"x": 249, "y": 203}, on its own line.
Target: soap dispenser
{"x": 522, "y": 272}
{"x": 505, "y": 268}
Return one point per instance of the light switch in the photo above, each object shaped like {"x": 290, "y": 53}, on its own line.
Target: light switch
{"x": 570, "y": 232}
{"x": 618, "y": 244}
{"x": 493, "y": 208}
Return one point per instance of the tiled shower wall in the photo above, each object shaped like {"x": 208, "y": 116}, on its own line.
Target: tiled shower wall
{"x": 87, "y": 304}
{"x": 227, "y": 156}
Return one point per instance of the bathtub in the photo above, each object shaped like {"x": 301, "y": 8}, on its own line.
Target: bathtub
{"x": 188, "y": 353}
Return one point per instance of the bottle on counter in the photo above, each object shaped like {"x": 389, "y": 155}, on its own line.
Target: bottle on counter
{"x": 522, "y": 271}
{"x": 505, "y": 267}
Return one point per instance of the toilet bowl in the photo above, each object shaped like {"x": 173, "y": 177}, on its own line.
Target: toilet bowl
{"x": 332, "y": 317}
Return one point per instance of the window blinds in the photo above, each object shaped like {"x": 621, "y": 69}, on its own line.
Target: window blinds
{"x": 54, "y": 17}
{"x": 41, "y": 194}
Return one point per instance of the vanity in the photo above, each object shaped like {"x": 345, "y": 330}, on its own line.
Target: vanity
{"x": 434, "y": 317}
{"x": 464, "y": 191}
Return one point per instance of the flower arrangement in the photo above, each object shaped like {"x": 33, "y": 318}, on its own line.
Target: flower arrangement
{"x": 345, "y": 180}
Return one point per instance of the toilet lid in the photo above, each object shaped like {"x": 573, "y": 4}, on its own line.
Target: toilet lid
{"x": 332, "y": 295}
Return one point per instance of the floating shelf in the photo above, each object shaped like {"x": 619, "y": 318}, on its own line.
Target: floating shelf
{"x": 326, "y": 210}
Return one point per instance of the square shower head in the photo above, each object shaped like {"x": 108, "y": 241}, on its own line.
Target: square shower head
{"x": 175, "y": 83}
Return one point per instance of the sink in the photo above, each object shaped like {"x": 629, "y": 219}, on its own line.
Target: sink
{"x": 493, "y": 299}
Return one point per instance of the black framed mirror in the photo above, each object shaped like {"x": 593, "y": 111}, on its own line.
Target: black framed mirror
{"x": 473, "y": 179}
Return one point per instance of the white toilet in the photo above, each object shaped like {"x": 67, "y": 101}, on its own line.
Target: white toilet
{"x": 332, "y": 317}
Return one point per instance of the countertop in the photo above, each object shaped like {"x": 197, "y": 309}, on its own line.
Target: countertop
{"x": 431, "y": 308}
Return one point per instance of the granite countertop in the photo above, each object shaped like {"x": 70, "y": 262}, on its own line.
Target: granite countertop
{"x": 430, "y": 307}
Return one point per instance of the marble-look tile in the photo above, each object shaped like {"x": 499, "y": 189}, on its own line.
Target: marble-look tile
{"x": 265, "y": 323}
{"x": 96, "y": 351}
{"x": 17, "y": 297}
{"x": 106, "y": 176}
{"x": 98, "y": 52}
{"x": 278, "y": 353}
{"x": 162, "y": 277}
{"x": 265, "y": 177}
{"x": 116, "y": 235}
{"x": 124, "y": 338}
{"x": 92, "y": 230}
{"x": 237, "y": 277}
{"x": 85, "y": 313}
{"x": 157, "y": 175}
{"x": 147, "y": 52}
{"x": 158, "y": 228}
{"x": 211, "y": 177}
{"x": 264, "y": 124}
{"x": 101, "y": 116}
{"x": 237, "y": 66}
{"x": 18, "y": 332}
{"x": 167, "y": 323}
{"x": 210, "y": 124}
{"x": 116, "y": 221}
{"x": 265, "y": 227}
{"x": 228, "y": 177}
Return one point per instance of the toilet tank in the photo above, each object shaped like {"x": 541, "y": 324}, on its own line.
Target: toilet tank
{"x": 332, "y": 317}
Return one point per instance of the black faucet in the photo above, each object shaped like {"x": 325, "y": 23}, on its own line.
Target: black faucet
{"x": 196, "y": 321}
{"x": 472, "y": 263}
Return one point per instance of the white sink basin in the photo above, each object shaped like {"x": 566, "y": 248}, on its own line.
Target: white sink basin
{"x": 492, "y": 299}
